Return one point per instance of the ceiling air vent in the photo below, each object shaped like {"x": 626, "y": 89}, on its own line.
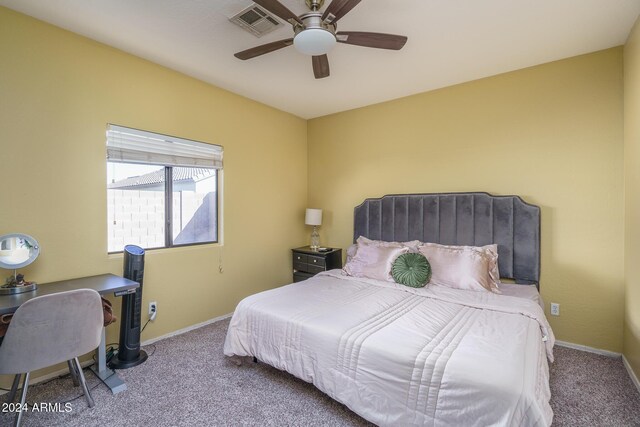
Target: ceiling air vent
{"x": 256, "y": 20}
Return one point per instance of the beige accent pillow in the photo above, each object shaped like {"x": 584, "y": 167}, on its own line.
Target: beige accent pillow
{"x": 374, "y": 262}
{"x": 461, "y": 267}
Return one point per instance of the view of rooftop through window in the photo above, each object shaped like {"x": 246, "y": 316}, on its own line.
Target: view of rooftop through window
{"x": 137, "y": 208}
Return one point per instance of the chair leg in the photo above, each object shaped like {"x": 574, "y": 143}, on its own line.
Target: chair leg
{"x": 73, "y": 372}
{"x": 23, "y": 399}
{"x": 14, "y": 388}
{"x": 87, "y": 395}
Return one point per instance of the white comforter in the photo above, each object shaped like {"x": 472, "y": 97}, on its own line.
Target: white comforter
{"x": 403, "y": 356}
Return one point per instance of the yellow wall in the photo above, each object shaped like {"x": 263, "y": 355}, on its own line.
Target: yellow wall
{"x": 632, "y": 197}
{"x": 552, "y": 134}
{"x": 57, "y": 93}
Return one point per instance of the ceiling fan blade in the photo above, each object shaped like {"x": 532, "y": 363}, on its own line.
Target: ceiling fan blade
{"x": 337, "y": 9}
{"x": 277, "y": 8}
{"x": 377, "y": 40}
{"x": 262, "y": 49}
{"x": 320, "y": 66}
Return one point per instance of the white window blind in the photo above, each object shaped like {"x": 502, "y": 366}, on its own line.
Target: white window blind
{"x": 128, "y": 145}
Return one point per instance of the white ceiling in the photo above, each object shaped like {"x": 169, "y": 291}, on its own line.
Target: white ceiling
{"x": 450, "y": 41}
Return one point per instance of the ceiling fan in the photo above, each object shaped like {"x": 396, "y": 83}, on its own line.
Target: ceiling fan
{"x": 315, "y": 33}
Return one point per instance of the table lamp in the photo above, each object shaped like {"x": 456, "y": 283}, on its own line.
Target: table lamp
{"x": 314, "y": 217}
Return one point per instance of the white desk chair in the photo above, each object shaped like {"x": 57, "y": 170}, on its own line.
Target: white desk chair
{"x": 48, "y": 330}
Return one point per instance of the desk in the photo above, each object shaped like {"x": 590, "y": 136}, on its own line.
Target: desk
{"x": 104, "y": 284}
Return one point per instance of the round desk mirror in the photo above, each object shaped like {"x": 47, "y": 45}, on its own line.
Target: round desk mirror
{"x": 16, "y": 251}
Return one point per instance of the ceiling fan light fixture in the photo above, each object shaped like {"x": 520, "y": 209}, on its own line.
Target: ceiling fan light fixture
{"x": 315, "y": 33}
{"x": 314, "y": 41}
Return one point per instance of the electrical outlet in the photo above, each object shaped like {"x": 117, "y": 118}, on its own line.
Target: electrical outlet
{"x": 555, "y": 309}
{"x": 153, "y": 310}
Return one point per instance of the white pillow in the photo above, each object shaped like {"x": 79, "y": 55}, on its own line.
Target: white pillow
{"x": 412, "y": 245}
{"x": 351, "y": 252}
{"x": 462, "y": 267}
{"x": 352, "y": 249}
{"x": 491, "y": 251}
{"x": 374, "y": 262}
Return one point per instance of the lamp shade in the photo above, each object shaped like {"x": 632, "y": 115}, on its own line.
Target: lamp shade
{"x": 313, "y": 217}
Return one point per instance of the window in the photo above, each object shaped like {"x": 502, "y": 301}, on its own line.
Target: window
{"x": 162, "y": 191}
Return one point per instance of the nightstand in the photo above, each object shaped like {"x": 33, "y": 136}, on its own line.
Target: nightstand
{"x": 307, "y": 263}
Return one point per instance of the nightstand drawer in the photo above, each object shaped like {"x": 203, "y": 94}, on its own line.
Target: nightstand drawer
{"x": 300, "y": 261}
{"x": 315, "y": 260}
{"x": 299, "y": 258}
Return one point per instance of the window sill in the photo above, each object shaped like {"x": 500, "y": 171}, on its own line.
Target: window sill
{"x": 179, "y": 248}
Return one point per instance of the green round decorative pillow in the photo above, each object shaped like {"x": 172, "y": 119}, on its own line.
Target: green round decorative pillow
{"x": 411, "y": 269}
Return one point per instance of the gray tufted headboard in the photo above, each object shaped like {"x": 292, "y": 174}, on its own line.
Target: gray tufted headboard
{"x": 474, "y": 219}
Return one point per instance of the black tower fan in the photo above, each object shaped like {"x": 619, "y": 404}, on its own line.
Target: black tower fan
{"x": 129, "y": 353}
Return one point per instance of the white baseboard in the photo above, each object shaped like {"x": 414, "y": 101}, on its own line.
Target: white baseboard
{"x": 51, "y": 375}
{"x": 632, "y": 374}
{"x": 588, "y": 349}
{"x": 187, "y": 329}
{"x": 607, "y": 353}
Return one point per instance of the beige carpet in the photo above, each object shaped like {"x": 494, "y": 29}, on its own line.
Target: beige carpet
{"x": 188, "y": 382}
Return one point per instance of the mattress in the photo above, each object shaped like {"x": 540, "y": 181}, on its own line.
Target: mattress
{"x": 402, "y": 356}
{"x": 529, "y": 292}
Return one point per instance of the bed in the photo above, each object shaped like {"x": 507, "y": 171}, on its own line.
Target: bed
{"x": 397, "y": 355}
